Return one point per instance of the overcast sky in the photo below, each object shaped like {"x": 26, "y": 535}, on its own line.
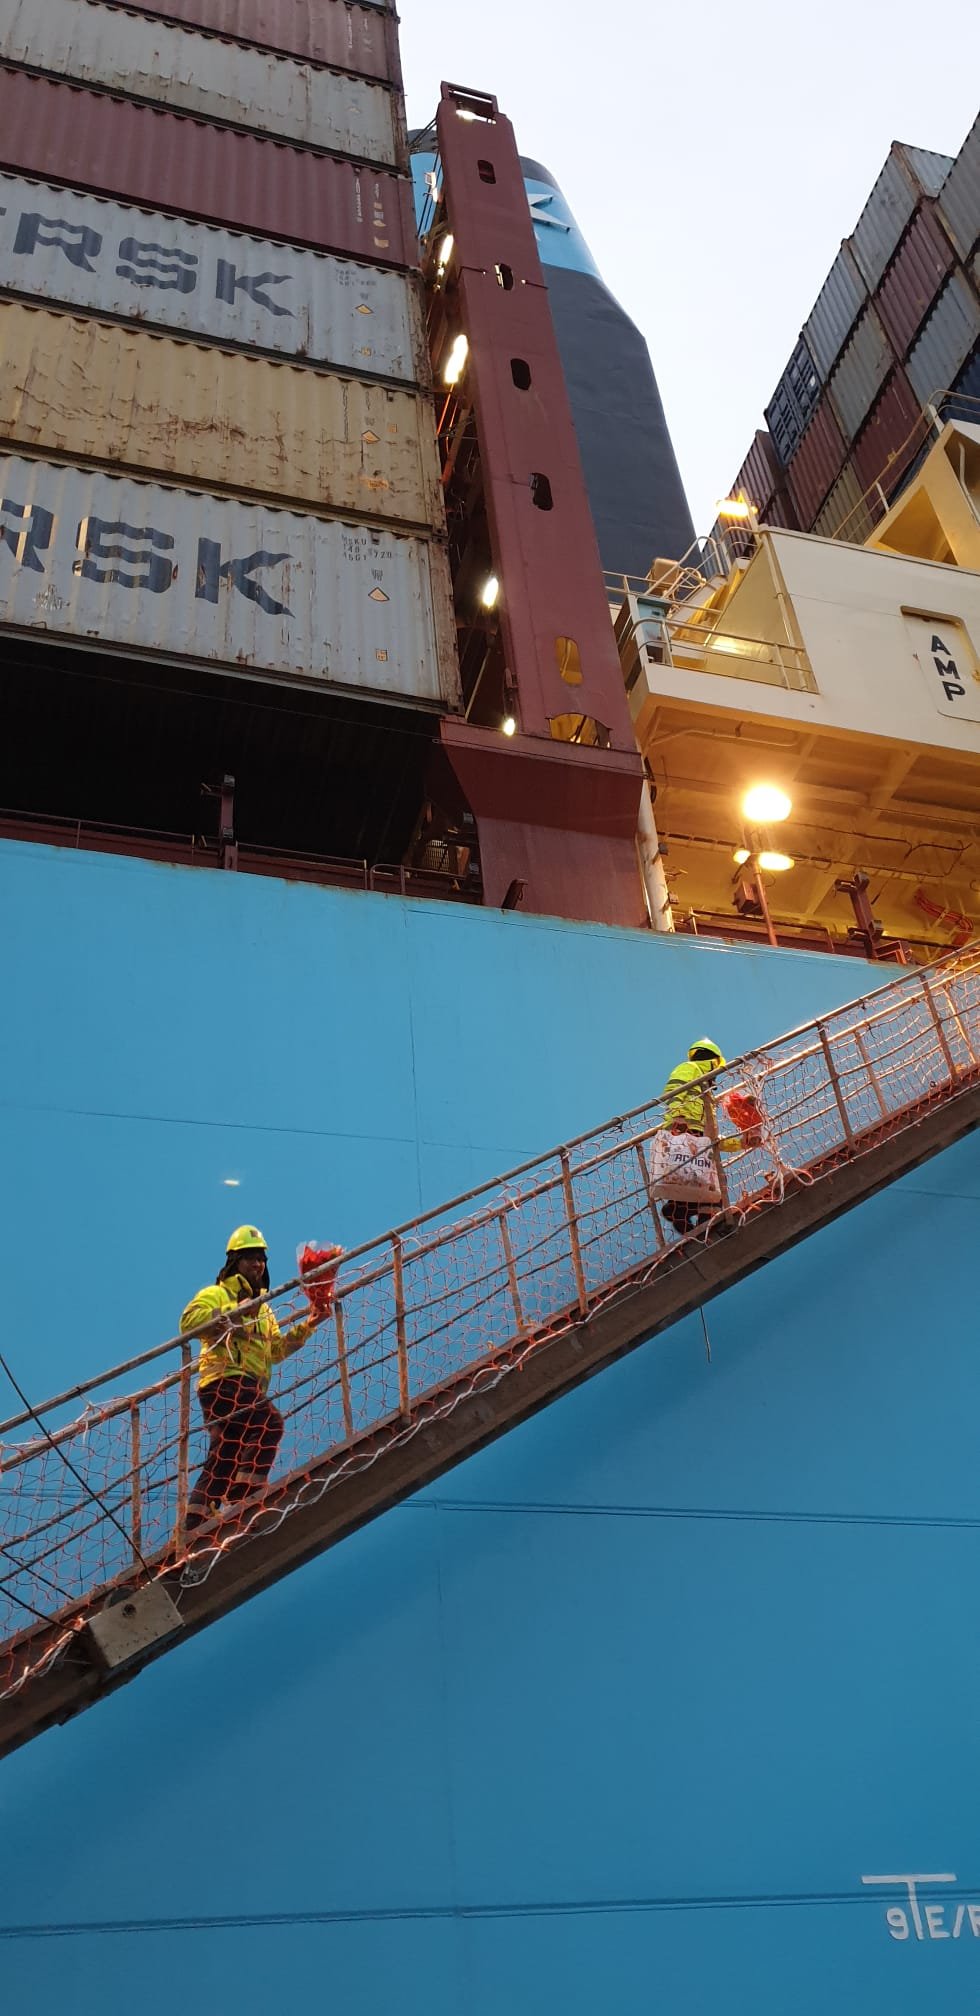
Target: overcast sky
{"x": 714, "y": 157}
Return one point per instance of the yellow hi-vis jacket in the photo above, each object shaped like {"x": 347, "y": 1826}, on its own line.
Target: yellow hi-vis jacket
{"x": 240, "y": 1346}
{"x": 685, "y": 1103}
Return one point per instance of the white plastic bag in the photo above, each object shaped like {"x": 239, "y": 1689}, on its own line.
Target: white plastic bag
{"x": 683, "y": 1169}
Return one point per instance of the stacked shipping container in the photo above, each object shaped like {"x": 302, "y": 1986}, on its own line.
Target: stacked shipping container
{"x": 206, "y": 280}
{"x": 895, "y": 326}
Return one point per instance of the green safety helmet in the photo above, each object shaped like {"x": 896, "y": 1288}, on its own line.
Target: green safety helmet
{"x": 246, "y": 1239}
{"x": 705, "y": 1048}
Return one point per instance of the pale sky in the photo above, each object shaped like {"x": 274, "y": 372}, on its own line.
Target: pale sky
{"x": 714, "y": 157}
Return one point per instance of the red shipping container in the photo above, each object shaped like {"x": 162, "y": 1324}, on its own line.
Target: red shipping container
{"x": 818, "y": 460}
{"x": 761, "y": 473}
{"x": 892, "y": 434}
{"x": 914, "y": 278}
{"x": 168, "y": 161}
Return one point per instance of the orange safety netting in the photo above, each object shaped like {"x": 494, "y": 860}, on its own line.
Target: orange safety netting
{"x": 447, "y": 1305}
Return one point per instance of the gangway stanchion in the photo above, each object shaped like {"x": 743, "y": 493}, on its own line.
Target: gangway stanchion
{"x": 443, "y": 1335}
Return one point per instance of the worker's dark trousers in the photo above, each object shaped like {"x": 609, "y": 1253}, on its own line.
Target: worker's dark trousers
{"x": 245, "y": 1431}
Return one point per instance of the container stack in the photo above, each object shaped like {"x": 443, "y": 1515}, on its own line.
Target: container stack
{"x": 895, "y": 328}
{"x": 216, "y": 402}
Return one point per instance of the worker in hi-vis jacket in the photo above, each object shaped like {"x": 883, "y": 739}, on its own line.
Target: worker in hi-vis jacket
{"x": 238, "y": 1352}
{"x": 684, "y": 1114}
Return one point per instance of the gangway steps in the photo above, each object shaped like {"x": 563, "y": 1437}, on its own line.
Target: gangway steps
{"x": 847, "y": 1071}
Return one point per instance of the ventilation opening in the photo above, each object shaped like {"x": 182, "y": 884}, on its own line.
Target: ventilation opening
{"x": 569, "y": 660}
{"x": 541, "y": 493}
{"x": 486, "y": 171}
{"x": 505, "y": 277}
{"x": 521, "y": 374}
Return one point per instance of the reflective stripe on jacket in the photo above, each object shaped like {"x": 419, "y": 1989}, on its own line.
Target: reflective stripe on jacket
{"x": 685, "y": 1104}
{"x": 246, "y": 1346}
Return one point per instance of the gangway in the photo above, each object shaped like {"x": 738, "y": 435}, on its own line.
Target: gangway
{"x": 444, "y": 1334}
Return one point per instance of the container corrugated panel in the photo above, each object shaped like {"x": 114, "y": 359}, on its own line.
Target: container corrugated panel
{"x": 845, "y": 515}
{"x": 928, "y": 168}
{"x": 959, "y": 198}
{"x": 835, "y": 311}
{"x": 142, "y": 568}
{"x": 193, "y": 72}
{"x": 964, "y": 403}
{"x": 912, "y": 281}
{"x": 760, "y": 474}
{"x": 864, "y": 365}
{"x": 793, "y": 401}
{"x": 84, "y": 252}
{"x": 815, "y": 464}
{"x": 891, "y": 436}
{"x": 359, "y": 38}
{"x": 97, "y": 391}
{"x": 779, "y": 511}
{"x": 117, "y": 147}
{"x": 946, "y": 341}
{"x": 908, "y": 173}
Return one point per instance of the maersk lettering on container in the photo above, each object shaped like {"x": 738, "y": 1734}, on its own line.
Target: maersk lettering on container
{"x": 142, "y": 568}
{"x": 85, "y": 252}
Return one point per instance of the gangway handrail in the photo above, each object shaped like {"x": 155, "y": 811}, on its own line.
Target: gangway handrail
{"x": 539, "y": 1270}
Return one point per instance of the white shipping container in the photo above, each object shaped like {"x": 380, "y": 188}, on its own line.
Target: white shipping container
{"x": 195, "y": 72}
{"x": 137, "y": 567}
{"x": 83, "y": 252}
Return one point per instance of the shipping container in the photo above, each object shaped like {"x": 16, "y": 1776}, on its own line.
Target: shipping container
{"x": 864, "y": 365}
{"x": 97, "y": 391}
{"x": 84, "y": 252}
{"x": 946, "y": 341}
{"x": 846, "y": 514}
{"x": 815, "y": 464}
{"x": 780, "y": 511}
{"x": 793, "y": 401}
{"x": 136, "y": 567}
{"x": 192, "y": 72}
{"x": 959, "y": 198}
{"x": 891, "y": 436}
{"x": 964, "y": 401}
{"x": 910, "y": 284}
{"x": 835, "y": 311}
{"x": 117, "y": 147}
{"x": 761, "y": 474}
{"x": 908, "y": 174}
{"x": 361, "y": 38}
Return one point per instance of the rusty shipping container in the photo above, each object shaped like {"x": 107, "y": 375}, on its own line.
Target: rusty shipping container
{"x": 97, "y": 391}
{"x": 362, "y": 38}
{"x": 864, "y": 365}
{"x": 891, "y": 436}
{"x": 835, "y": 311}
{"x": 912, "y": 281}
{"x": 959, "y": 198}
{"x": 192, "y": 72}
{"x": 815, "y": 464}
{"x": 81, "y": 251}
{"x": 908, "y": 174}
{"x": 118, "y": 147}
{"x": 946, "y": 341}
{"x": 135, "y": 567}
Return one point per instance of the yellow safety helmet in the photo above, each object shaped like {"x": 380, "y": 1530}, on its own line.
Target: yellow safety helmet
{"x": 246, "y": 1239}
{"x": 705, "y": 1045}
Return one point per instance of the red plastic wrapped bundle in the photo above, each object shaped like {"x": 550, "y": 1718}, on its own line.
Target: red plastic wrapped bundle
{"x": 320, "y": 1293}
{"x": 745, "y": 1116}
